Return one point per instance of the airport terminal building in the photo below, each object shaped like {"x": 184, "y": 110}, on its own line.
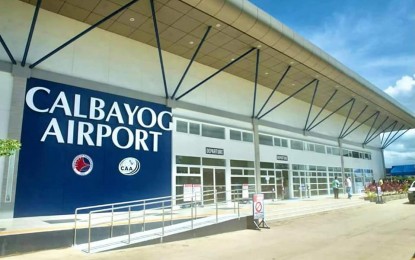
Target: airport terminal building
{"x": 117, "y": 100}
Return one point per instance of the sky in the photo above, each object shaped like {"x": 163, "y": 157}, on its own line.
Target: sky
{"x": 374, "y": 38}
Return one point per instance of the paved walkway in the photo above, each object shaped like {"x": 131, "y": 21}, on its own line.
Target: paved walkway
{"x": 373, "y": 231}
{"x": 64, "y": 222}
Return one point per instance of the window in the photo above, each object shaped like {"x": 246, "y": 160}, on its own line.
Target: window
{"x": 213, "y": 131}
{"x": 247, "y": 137}
{"x": 242, "y": 164}
{"x": 320, "y": 148}
{"x": 187, "y": 160}
{"x": 297, "y": 145}
{"x": 280, "y": 142}
{"x": 181, "y": 126}
{"x": 310, "y": 147}
{"x": 194, "y": 128}
{"x": 213, "y": 162}
{"x": 241, "y": 136}
{"x": 235, "y": 135}
{"x": 267, "y": 165}
{"x": 265, "y": 140}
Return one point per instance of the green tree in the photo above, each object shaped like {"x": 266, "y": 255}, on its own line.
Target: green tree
{"x": 9, "y": 146}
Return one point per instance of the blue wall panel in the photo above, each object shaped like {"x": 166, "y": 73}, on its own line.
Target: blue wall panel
{"x": 47, "y": 183}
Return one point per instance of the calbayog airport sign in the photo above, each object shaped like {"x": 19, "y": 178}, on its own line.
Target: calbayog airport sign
{"x": 82, "y": 132}
{"x": 83, "y": 147}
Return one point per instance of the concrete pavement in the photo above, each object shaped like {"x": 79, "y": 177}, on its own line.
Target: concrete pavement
{"x": 372, "y": 231}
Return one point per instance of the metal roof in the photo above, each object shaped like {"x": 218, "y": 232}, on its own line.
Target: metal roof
{"x": 236, "y": 27}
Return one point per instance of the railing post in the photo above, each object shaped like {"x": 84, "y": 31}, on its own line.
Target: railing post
{"x": 171, "y": 211}
{"x": 144, "y": 216}
{"x": 216, "y": 212}
{"x": 191, "y": 206}
{"x": 74, "y": 235}
{"x": 239, "y": 215}
{"x": 129, "y": 225}
{"x": 89, "y": 233}
{"x": 162, "y": 229}
{"x": 112, "y": 221}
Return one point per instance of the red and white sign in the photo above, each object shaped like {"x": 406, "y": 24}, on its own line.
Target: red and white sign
{"x": 258, "y": 206}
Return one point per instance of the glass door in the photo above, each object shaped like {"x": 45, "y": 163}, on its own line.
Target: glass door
{"x": 213, "y": 180}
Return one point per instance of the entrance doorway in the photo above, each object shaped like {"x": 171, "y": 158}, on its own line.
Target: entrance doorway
{"x": 214, "y": 180}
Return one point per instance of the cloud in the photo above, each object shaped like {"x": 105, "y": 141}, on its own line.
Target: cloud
{"x": 403, "y": 87}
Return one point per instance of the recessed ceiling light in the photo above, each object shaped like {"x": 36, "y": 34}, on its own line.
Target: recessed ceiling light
{"x": 191, "y": 42}
{"x": 293, "y": 84}
{"x": 317, "y": 75}
{"x": 132, "y": 19}
{"x": 266, "y": 73}
{"x": 292, "y": 62}
{"x": 259, "y": 46}
{"x": 217, "y": 25}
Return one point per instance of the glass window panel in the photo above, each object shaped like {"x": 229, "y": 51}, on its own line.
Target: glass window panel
{"x": 284, "y": 142}
{"x": 249, "y": 172}
{"x": 241, "y": 163}
{"x": 181, "y": 126}
{"x": 355, "y": 154}
{"x": 282, "y": 166}
{"x": 265, "y": 140}
{"x": 328, "y": 150}
{"x": 235, "y": 135}
{"x": 236, "y": 171}
{"x": 345, "y": 152}
{"x": 242, "y": 180}
{"x": 213, "y": 131}
{"x": 182, "y": 169}
{"x": 321, "y": 168}
{"x": 267, "y": 165}
{"x": 194, "y": 170}
{"x": 187, "y": 160}
{"x": 194, "y": 128}
{"x": 277, "y": 141}
{"x": 310, "y": 147}
{"x": 247, "y": 137}
{"x": 187, "y": 180}
{"x": 213, "y": 162}
{"x": 320, "y": 148}
{"x": 297, "y": 145}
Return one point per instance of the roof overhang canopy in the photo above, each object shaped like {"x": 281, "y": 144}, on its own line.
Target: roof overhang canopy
{"x": 237, "y": 26}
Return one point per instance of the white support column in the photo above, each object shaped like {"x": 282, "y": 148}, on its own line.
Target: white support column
{"x": 20, "y": 76}
{"x": 257, "y": 156}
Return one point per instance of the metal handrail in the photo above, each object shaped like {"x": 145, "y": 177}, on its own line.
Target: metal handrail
{"x": 112, "y": 208}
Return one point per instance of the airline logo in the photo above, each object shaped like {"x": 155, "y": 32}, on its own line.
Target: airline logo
{"x": 82, "y": 164}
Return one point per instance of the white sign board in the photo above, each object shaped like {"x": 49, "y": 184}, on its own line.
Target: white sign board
{"x": 245, "y": 191}
{"x": 197, "y": 192}
{"x": 258, "y": 206}
{"x": 187, "y": 192}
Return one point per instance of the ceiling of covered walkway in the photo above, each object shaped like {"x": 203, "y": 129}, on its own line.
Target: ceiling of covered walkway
{"x": 235, "y": 28}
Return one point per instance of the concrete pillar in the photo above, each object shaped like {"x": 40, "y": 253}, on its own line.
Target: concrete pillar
{"x": 257, "y": 156}
{"x": 9, "y": 178}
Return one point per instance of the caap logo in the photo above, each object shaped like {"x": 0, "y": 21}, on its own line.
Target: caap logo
{"x": 82, "y": 164}
{"x": 129, "y": 166}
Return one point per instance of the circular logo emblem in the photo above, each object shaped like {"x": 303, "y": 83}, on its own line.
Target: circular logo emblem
{"x": 82, "y": 164}
{"x": 129, "y": 166}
